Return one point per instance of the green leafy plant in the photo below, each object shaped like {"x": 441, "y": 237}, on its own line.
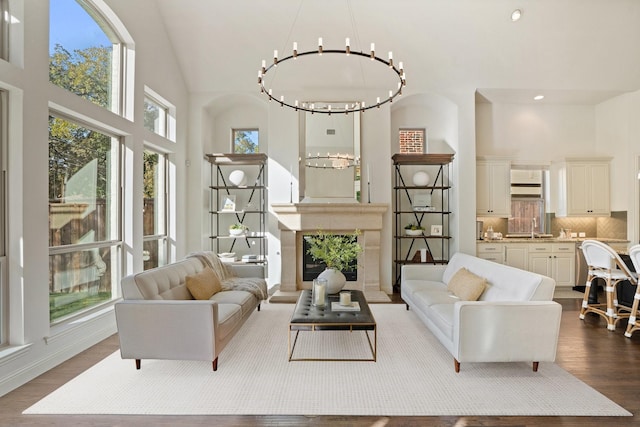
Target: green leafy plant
{"x": 412, "y": 226}
{"x": 335, "y": 251}
{"x": 238, "y": 226}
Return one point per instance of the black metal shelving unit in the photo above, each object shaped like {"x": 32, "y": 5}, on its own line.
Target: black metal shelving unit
{"x": 251, "y": 204}
{"x": 407, "y": 248}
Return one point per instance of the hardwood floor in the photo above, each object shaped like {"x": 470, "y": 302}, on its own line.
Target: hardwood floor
{"x": 605, "y": 360}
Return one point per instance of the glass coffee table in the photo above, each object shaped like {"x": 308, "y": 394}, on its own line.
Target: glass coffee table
{"x": 308, "y": 318}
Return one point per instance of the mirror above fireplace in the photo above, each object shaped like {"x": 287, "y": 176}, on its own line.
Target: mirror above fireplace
{"x": 330, "y": 156}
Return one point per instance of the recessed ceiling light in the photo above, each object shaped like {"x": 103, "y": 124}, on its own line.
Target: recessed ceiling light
{"x": 516, "y": 15}
{"x": 538, "y": 97}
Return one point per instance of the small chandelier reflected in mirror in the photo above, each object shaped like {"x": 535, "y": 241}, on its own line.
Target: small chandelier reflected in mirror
{"x": 334, "y": 108}
{"x": 331, "y": 161}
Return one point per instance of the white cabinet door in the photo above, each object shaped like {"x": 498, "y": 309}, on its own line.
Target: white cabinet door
{"x": 540, "y": 258}
{"x": 564, "y": 267}
{"x": 587, "y": 189}
{"x": 564, "y": 264}
{"x": 600, "y": 193}
{"x": 493, "y": 188}
{"x": 541, "y": 263}
{"x": 491, "y": 251}
{"x": 517, "y": 255}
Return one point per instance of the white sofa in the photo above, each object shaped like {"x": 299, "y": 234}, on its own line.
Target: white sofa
{"x": 514, "y": 320}
{"x": 159, "y": 318}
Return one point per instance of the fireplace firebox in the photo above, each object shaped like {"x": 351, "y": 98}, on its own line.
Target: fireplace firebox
{"x": 311, "y": 268}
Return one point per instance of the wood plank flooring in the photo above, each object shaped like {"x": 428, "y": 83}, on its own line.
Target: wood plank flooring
{"x": 605, "y": 360}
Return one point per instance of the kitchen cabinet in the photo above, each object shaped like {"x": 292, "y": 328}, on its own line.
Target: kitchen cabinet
{"x": 556, "y": 260}
{"x": 516, "y": 255}
{"x": 582, "y": 187}
{"x": 493, "y": 188}
{"x": 491, "y": 252}
{"x": 512, "y": 254}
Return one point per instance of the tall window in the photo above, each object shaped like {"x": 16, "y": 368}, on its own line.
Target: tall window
{"x": 4, "y": 310}
{"x": 245, "y": 141}
{"x": 5, "y": 21}
{"x": 84, "y": 53}
{"x": 84, "y": 217}
{"x": 155, "y": 246}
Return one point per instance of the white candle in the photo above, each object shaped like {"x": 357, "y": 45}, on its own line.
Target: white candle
{"x": 345, "y": 298}
{"x": 320, "y": 290}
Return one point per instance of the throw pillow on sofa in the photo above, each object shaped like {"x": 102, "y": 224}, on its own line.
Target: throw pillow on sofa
{"x": 204, "y": 284}
{"x": 467, "y": 285}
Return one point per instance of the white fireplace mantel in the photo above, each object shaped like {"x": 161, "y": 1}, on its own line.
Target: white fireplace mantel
{"x": 297, "y": 219}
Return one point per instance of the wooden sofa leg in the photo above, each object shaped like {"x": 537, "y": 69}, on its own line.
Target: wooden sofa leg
{"x": 456, "y": 365}
{"x": 535, "y": 366}
{"x": 407, "y": 307}
{"x": 215, "y": 364}
{"x": 138, "y": 363}
{"x": 258, "y": 307}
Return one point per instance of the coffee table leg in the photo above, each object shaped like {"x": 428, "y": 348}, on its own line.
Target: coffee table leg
{"x": 292, "y": 347}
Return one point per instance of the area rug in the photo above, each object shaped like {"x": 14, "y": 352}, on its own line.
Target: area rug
{"x": 413, "y": 376}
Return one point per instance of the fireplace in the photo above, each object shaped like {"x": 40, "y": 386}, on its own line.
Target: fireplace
{"x": 311, "y": 268}
{"x": 295, "y": 220}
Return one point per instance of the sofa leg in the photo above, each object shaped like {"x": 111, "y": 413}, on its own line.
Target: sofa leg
{"x": 215, "y": 364}
{"x": 407, "y": 307}
{"x": 456, "y": 365}
{"x": 138, "y": 363}
{"x": 258, "y": 307}
{"x": 535, "y": 366}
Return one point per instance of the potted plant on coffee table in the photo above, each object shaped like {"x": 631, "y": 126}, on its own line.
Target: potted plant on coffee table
{"x": 337, "y": 252}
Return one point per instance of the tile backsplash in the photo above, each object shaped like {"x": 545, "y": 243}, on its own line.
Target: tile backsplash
{"x": 613, "y": 227}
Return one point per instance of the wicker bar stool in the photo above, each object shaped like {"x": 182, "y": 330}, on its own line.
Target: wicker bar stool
{"x": 634, "y": 324}
{"x": 606, "y": 264}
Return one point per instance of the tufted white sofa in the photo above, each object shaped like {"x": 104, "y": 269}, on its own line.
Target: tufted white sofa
{"x": 514, "y": 320}
{"x": 159, "y": 319}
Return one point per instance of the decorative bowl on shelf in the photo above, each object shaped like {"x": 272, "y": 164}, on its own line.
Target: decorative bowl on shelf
{"x": 237, "y": 231}
{"x": 410, "y": 232}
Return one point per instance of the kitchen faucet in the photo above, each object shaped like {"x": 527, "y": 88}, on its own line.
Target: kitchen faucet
{"x": 533, "y": 227}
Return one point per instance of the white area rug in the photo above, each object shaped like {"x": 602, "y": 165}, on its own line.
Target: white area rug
{"x": 414, "y": 375}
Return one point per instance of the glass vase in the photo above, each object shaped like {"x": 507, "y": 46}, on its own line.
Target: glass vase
{"x": 319, "y": 293}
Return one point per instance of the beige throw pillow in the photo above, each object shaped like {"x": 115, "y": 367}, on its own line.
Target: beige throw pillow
{"x": 204, "y": 284}
{"x": 466, "y": 285}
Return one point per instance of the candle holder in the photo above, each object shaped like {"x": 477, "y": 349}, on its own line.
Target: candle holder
{"x": 319, "y": 295}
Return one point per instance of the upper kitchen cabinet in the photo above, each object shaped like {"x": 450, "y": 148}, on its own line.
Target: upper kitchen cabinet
{"x": 582, "y": 187}
{"x": 493, "y": 188}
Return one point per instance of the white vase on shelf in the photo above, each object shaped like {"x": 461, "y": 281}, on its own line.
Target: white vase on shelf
{"x": 421, "y": 179}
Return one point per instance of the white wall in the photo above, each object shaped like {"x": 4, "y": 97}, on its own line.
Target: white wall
{"x": 35, "y": 346}
{"x": 535, "y": 133}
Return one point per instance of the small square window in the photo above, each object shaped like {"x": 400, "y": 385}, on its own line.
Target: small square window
{"x": 245, "y": 141}
{"x": 412, "y": 141}
{"x": 155, "y": 117}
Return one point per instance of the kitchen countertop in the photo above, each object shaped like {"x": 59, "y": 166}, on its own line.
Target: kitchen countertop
{"x": 551, "y": 240}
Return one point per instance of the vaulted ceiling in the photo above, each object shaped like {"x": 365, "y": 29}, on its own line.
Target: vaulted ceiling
{"x": 578, "y": 51}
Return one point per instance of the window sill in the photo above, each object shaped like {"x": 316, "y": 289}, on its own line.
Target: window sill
{"x": 13, "y": 352}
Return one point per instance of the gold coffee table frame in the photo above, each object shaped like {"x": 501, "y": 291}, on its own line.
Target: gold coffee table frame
{"x": 308, "y": 318}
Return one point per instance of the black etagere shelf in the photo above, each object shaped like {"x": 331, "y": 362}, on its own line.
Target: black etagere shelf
{"x": 435, "y": 213}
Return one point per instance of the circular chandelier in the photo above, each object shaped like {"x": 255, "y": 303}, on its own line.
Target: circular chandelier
{"x": 333, "y": 108}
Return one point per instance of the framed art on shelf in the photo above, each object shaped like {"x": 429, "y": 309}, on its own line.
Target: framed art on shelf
{"x": 228, "y": 203}
{"x": 436, "y": 230}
